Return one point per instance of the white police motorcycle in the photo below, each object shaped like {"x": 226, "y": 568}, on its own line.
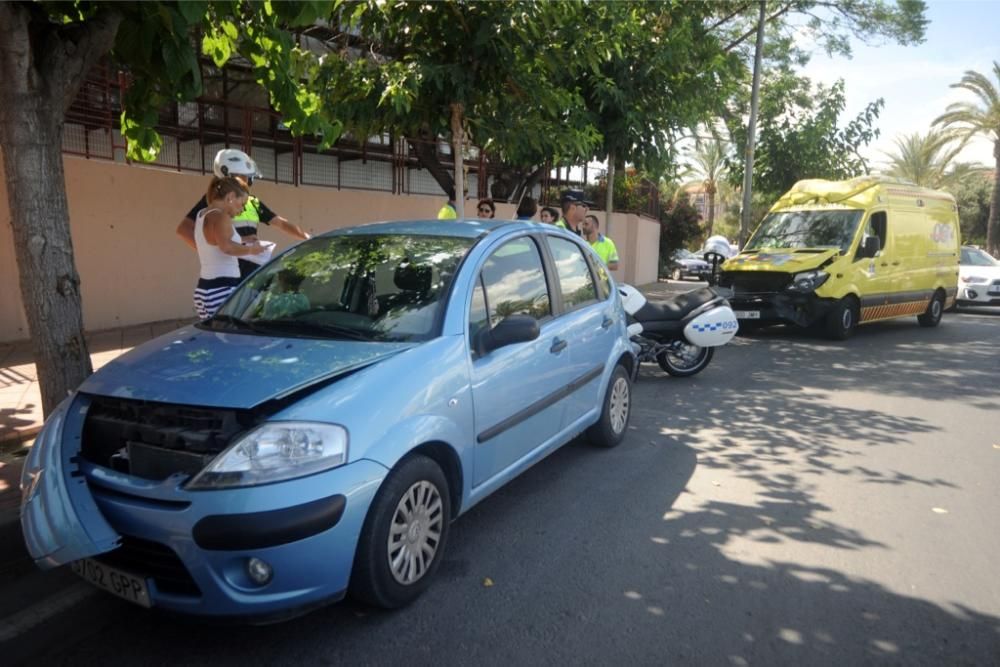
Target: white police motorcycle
{"x": 680, "y": 333}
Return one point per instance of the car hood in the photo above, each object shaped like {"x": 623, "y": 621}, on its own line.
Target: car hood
{"x": 987, "y": 272}
{"x": 229, "y": 370}
{"x": 691, "y": 262}
{"x": 788, "y": 261}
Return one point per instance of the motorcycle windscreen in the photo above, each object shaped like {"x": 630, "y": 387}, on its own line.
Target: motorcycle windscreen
{"x": 712, "y": 328}
{"x": 59, "y": 518}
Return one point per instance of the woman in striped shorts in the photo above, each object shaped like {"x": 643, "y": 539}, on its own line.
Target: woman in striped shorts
{"x": 218, "y": 244}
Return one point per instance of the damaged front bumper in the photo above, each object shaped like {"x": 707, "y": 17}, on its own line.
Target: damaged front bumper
{"x": 193, "y": 548}
{"x": 781, "y": 307}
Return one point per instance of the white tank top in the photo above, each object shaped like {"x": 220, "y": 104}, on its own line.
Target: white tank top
{"x": 214, "y": 262}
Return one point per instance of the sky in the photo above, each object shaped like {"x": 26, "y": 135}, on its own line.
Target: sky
{"x": 914, "y": 80}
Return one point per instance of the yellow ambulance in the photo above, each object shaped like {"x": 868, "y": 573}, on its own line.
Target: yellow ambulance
{"x": 842, "y": 253}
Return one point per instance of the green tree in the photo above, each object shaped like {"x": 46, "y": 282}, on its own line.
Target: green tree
{"x": 708, "y": 160}
{"x": 679, "y": 228}
{"x": 972, "y": 195}
{"x": 800, "y": 135}
{"x": 981, "y": 117}
{"x": 929, "y": 159}
{"x": 490, "y": 71}
{"x": 46, "y": 50}
{"x": 660, "y": 71}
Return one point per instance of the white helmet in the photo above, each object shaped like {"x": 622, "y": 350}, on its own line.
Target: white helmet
{"x": 234, "y": 162}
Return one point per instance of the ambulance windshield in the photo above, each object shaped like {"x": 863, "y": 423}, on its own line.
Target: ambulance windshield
{"x": 807, "y": 229}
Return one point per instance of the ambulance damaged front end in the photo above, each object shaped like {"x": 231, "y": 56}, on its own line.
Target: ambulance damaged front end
{"x": 781, "y": 276}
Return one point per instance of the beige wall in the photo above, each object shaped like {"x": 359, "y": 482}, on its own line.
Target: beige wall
{"x": 134, "y": 269}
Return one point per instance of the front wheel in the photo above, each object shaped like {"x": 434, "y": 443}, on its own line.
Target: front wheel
{"x": 609, "y": 430}
{"x": 932, "y": 315}
{"x": 677, "y": 275}
{"x": 685, "y": 359}
{"x": 403, "y": 539}
{"x": 841, "y": 321}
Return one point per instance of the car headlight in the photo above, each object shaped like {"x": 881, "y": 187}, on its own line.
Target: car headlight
{"x": 275, "y": 452}
{"x": 808, "y": 281}
{"x": 974, "y": 280}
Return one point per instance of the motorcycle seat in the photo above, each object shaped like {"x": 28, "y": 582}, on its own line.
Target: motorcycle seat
{"x": 676, "y": 308}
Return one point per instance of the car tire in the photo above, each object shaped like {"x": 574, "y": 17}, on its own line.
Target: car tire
{"x": 843, "y": 319}
{"x": 932, "y": 316}
{"x": 409, "y": 517}
{"x": 609, "y": 431}
{"x": 677, "y": 274}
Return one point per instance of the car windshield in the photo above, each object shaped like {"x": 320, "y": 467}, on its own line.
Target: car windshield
{"x": 807, "y": 229}
{"x": 977, "y": 257}
{"x": 374, "y": 287}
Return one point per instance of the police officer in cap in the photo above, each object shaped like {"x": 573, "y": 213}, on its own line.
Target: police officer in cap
{"x": 574, "y": 209}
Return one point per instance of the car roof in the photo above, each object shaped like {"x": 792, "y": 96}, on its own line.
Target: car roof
{"x": 464, "y": 228}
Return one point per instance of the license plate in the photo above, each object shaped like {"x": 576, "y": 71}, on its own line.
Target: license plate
{"x": 747, "y": 314}
{"x": 124, "y": 585}
{"x": 994, "y": 290}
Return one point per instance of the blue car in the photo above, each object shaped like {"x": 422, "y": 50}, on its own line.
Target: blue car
{"x": 319, "y": 434}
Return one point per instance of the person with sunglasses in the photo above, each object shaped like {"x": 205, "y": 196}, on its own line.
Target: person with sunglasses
{"x": 574, "y": 208}
{"x": 230, "y": 162}
{"x": 486, "y": 209}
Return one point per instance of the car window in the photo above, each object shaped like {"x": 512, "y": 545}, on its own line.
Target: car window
{"x": 603, "y": 281}
{"x": 478, "y": 315}
{"x": 514, "y": 282}
{"x": 575, "y": 282}
{"x": 377, "y": 287}
{"x": 976, "y": 257}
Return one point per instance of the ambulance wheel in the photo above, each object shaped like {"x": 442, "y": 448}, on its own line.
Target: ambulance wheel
{"x": 686, "y": 360}
{"x": 841, "y": 321}
{"x": 935, "y": 308}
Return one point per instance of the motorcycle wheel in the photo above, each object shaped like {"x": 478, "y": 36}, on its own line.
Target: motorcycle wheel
{"x": 686, "y": 360}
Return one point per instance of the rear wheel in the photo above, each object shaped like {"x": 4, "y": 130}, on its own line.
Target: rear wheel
{"x": 841, "y": 321}
{"x": 609, "y": 431}
{"x": 404, "y": 536}
{"x": 935, "y": 308}
{"x": 685, "y": 359}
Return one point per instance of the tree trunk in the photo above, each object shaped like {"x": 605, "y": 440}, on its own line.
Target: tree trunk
{"x": 993, "y": 226}
{"x": 710, "y": 191}
{"x": 42, "y": 66}
{"x": 458, "y": 151}
{"x": 752, "y": 128}
{"x": 609, "y": 196}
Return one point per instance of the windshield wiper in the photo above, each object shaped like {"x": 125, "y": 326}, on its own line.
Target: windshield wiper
{"x": 291, "y": 325}
{"x": 237, "y": 322}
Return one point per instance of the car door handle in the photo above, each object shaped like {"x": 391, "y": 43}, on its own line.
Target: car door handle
{"x": 895, "y": 263}
{"x": 557, "y": 346}
{"x": 885, "y": 263}
{"x": 607, "y": 322}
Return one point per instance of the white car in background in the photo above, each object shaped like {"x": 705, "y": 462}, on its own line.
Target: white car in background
{"x": 978, "y": 278}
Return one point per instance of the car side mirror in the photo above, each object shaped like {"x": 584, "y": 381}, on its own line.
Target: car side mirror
{"x": 511, "y": 329}
{"x": 870, "y": 246}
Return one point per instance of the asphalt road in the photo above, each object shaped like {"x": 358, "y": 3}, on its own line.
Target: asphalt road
{"x": 801, "y": 502}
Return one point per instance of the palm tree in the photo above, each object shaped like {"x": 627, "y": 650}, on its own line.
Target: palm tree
{"x": 980, "y": 118}
{"x": 929, "y": 159}
{"x": 708, "y": 162}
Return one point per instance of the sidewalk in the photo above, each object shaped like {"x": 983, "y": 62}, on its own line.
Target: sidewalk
{"x": 21, "y": 402}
